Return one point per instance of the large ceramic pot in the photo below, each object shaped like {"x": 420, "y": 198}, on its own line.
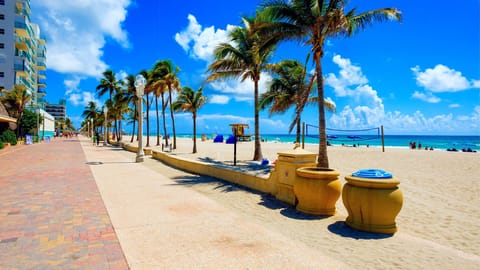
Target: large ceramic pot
{"x": 373, "y": 200}
{"x": 317, "y": 190}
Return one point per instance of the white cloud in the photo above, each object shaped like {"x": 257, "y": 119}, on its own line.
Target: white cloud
{"x": 200, "y": 42}
{"x": 218, "y": 99}
{"x": 83, "y": 98}
{"x": 76, "y": 32}
{"x": 427, "y": 97}
{"x": 242, "y": 91}
{"x": 443, "y": 79}
{"x": 365, "y": 108}
{"x": 348, "y": 75}
{"x": 454, "y": 105}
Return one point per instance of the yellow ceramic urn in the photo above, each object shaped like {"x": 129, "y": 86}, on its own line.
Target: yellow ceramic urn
{"x": 373, "y": 200}
{"x": 317, "y": 190}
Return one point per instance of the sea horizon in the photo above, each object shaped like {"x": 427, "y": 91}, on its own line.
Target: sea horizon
{"x": 441, "y": 142}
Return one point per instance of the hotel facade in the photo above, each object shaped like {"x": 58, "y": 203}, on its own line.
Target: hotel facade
{"x": 23, "y": 58}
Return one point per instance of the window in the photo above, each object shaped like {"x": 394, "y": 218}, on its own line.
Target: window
{"x": 2, "y": 31}
{"x": 2, "y": 2}
{"x": 2, "y": 45}
{"x": 2, "y": 17}
{"x": 2, "y": 74}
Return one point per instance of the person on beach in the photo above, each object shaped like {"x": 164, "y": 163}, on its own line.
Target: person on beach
{"x": 97, "y": 135}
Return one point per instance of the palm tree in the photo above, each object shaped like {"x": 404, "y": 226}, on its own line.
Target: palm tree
{"x": 148, "y": 102}
{"x": 91, "y": 112}
{"x": 190, "y": 101}
{"x": 158, "y": 73}
{"x": 108, "y": 84}
{"x": 14, "y": 102}
{"x": 132, "y": 98}
{"x": 313, "y": 21}
{"x": 291, "y": 87}
{"x": 245, "y": 57}
{"x": 171, "y": 81}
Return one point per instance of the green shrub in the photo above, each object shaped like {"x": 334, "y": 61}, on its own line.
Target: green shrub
{"x": 9, "y": 136}
{"x": 1, "y": 145}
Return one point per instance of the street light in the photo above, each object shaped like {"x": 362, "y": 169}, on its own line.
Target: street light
{"x": 105, "y": 112}
{"x": 139, "y": 87}
{"x": 91, "y": 126}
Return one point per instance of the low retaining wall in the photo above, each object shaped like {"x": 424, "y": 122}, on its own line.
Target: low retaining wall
{"x": 134, "y": 148}
{"x": 257, "y": 182}
{"x": 279, "y": 183}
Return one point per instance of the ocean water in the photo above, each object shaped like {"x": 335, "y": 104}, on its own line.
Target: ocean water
{"x": 434, "y": 141}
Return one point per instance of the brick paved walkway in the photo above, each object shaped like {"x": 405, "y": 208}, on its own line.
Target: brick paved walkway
{"x": 51, "y": 213}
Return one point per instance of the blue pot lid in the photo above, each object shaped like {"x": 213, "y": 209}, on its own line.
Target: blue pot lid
{"x": 372, "y": 173}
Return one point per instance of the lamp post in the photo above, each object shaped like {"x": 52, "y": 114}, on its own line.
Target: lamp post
{"x": 105, "y": 112}
{"x": 139, "y": 87}
{"x": 91, "y": 126}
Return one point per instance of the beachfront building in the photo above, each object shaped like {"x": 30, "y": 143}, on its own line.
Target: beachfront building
{"x": 23, "y": 55}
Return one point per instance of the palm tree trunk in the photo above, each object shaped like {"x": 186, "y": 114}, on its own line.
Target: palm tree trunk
{"x": 257, "y": 155}
{"x": 173, "y": 119}
{"x": 298, "y": 129}
{"x": 164, "y": 121}
{"x": 148, "y": 123}
{"x": 194, "y": 115}
{"x": 158, "y": 120}
{"x": 134, "y": 120}
{"x": 322, "y": 160}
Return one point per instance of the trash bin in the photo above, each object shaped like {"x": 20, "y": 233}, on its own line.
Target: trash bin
{"x": 373, "y": 200}
{"x": 28, "y": 139}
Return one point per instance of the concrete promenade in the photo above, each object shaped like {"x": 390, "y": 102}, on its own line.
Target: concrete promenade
{"x": 57, "y": 212}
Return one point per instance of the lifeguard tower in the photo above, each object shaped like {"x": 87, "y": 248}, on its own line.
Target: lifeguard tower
{"x": 238, "y": 130}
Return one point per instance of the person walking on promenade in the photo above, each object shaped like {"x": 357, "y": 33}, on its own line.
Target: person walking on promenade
{"x": 97, "y": 135}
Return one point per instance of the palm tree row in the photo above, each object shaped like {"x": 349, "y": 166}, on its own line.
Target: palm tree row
{"x": 246, "y": 56}
{"x": 307, "y": 21}
{"x": 161, "y": 82}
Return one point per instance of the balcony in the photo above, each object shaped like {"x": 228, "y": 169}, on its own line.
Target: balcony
{"x": 41, "y": 65}
{"x": 21, "y": 43}
{"x": 41, "y": 84}
{"x": 41, "y": 75}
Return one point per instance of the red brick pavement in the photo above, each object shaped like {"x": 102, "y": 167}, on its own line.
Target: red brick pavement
{"x": 51, "y": 213}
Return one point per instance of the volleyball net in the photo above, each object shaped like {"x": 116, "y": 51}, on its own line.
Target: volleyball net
{"x": 346, "y": 135}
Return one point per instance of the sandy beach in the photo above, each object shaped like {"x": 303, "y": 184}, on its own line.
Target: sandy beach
{"x": 438, "y": 226}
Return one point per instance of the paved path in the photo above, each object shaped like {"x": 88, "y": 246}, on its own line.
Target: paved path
{"x": 51, "y": 213}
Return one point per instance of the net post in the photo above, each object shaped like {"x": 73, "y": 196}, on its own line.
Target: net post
{"x": 383, "y": 139}
{"x": 303, "y": 135}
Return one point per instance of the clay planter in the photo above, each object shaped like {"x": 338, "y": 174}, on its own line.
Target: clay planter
{"x": 372, "y": 203}
{"x": 317, "y": 190}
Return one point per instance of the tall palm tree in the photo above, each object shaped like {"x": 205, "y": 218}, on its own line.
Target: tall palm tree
{"x": 108, "y": 84}
{"x": 291, "y": 87}
{"x": 172, "y": 82}
{"x": 14, "y": 102}
{"x": 131, "y": 98}
{"x": 91, "y": 112}
{"x": 190, "y": 101}
{"x": 245, "y": 57}
{"x": 148, "y": 101}
{"x": 313, "y": 21}
{"x": 159, "y": 84}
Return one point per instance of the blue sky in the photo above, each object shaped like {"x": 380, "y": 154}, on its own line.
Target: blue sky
{"x": 420, "y": 76}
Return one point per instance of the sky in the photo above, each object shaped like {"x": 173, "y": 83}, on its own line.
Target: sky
{"x": 419, "y": 76}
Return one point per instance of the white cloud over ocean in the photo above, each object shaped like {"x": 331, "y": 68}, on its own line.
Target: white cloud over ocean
{"x": 366, "y": 109}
